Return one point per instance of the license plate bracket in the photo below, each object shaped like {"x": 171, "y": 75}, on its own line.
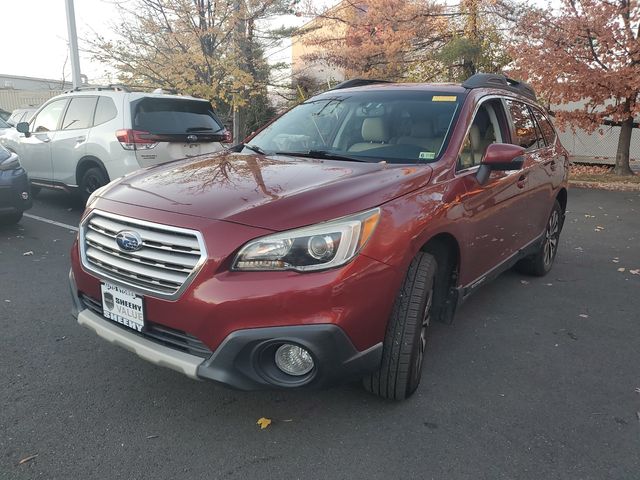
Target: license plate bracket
{"x": 123, "y": 306}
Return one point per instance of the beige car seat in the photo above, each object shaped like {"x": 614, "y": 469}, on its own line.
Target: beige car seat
{"x": 422, "y": 135}
{"x": 375, "y": 133}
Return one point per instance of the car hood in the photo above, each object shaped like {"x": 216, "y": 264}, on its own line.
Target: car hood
{"x": 272, "y": 192}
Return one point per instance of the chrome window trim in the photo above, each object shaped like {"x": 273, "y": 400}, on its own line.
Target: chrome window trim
{"x": 466, "y": 133}
{"x": 144, "y": 223}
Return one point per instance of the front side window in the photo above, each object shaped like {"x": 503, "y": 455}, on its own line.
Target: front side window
{"x": 484, "y": 130}
{"x": 80, "y": 113}
{"x": 369, "y": 126}
{"x": 525, "y": 132}
{"x": 49, "y": 117}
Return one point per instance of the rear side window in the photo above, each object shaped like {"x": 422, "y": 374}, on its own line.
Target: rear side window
{"x": 79, "y": 114}
{"x": 3, "y": 124}
{"x": 49, "y": 117}
{"x": 525, "y": 132}
{"x": 175, "y": 116}
{"x": 105, "y": 111}
{"x": 545, "y": 125}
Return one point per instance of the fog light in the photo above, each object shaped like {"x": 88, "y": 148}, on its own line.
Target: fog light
{"x": 25, "y": 195}
{"x": 294, "y": 360}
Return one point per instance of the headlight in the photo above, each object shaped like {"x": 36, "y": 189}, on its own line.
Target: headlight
{"x": 11, "y": 163}
{"x": 317, "y": 247}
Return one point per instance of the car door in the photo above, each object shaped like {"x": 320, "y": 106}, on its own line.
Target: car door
{"x": 35, "y": 147}
{"x": 493, "y": 216}
{"x": 534, "y": 182}
{"x": 69, "y": 144}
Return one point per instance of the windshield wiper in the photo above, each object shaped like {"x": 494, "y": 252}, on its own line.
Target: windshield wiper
{"x": 255, "y": 148}
{"x": 325, "y": 155}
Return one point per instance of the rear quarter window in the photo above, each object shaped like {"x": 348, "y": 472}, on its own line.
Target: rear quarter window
{"x": 175, "y": 116}
{"x": 105, "y": 111}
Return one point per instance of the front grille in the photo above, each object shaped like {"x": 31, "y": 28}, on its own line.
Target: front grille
{"x": 167, "y": 336}
{"x": 166, "y": 262}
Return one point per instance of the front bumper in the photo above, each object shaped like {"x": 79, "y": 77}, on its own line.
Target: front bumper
{"x": 245, "y": 359}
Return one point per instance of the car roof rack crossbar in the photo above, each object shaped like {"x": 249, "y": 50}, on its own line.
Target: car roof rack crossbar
{"x": 492, "y": 80}
{"x": 357, "y": 82}
{"x": 112, "y": 86}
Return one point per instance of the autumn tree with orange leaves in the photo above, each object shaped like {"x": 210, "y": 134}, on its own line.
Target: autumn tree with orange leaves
{"x": 375, "y": 38}
{"x": 587, "y": 51}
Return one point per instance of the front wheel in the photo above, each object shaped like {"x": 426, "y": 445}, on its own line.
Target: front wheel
{"x": 540, "y": 263}
{"x": 405, "y": 342}
{"x": 92, "y": 179}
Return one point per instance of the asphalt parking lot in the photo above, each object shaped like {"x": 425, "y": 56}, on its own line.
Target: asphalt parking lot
{"x": 536, "y": 379}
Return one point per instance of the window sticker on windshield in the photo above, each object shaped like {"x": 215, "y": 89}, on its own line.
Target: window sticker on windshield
{"x": 427, "y": 155}
{"x": 444, "y": 98}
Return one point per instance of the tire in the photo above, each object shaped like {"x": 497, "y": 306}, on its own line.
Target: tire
{"x": 541, "y": 262}
{"x": 10, "y": 219}
{"x": 92, "y": 179}
{"x": 406, "y": 337}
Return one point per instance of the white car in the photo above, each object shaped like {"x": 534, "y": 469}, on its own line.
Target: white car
{"x": 83, "y": 139}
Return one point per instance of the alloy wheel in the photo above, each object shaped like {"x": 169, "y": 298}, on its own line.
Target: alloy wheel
{"x": 551, "y": 238}
{"x": 426, "y": 321}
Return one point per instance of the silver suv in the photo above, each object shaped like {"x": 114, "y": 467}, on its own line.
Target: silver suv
{"x": 81, "y": 140}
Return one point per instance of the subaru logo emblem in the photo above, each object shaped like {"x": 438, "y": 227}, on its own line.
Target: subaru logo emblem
{"x": 192, "y": 138}
{"x": 129, "y": 241}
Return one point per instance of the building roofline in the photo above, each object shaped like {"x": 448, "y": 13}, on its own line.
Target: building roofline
{"x": 37, "y": 79}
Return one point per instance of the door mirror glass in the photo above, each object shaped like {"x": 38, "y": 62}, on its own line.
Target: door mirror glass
{"x": 23, "y": 127}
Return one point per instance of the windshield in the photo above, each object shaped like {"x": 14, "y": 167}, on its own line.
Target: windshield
{"x": 391, "y": 125}
{"x": 4, "y": 124}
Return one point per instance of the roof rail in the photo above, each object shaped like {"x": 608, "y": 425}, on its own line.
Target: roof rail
{"x": 492, "y": 80}
{"x": 357, "y": 82}
{"x": 111, "y": 86}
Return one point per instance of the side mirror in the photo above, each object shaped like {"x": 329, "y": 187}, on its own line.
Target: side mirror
{"x": 23, "y": 127}
{"x": 500, "y": 156}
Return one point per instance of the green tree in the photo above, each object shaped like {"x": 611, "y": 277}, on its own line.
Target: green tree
{"x": 207, "y": 48}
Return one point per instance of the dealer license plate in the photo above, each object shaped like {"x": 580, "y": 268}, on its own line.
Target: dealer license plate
{"x": 123, "y": 306}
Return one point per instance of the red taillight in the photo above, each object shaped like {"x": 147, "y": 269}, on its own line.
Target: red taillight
{"x": 136, "y": 139}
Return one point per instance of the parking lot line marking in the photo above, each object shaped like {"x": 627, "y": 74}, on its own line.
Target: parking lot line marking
{"x": 52, "y": 222}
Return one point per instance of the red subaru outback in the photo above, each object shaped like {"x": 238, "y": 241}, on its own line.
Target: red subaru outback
{"x": 322, "y": 249}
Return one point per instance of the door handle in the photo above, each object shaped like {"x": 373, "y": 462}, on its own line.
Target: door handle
{"x": 80, "y": 139}
{"x": 522, "y": 181}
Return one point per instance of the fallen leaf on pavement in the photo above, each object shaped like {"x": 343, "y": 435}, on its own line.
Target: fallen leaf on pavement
{"x": 635, "y": 272}
{"x": 584, "y": 315}
{"x": 621, "y": 269}
{"x": 27, "y": 459}
{"x": 524, "y": 282}
{"x": 638, "y": 390}
{"x": 27, "y": 254}
{"x": 263, "y": 422}
{"x": 152, "y": 436}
